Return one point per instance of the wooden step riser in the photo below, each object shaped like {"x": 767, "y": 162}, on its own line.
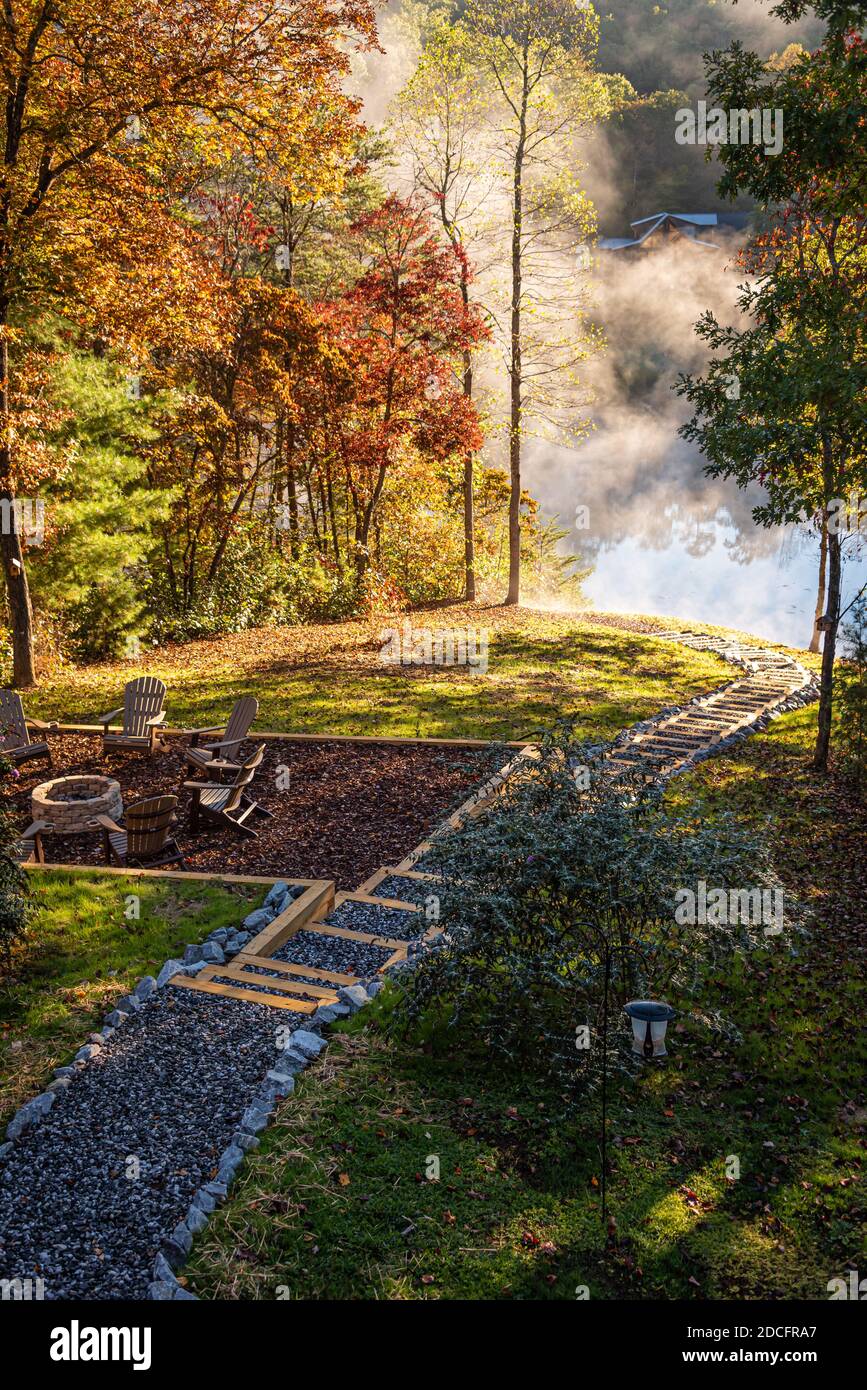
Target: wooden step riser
{"x": 271, "y": 1001}
{"x": 289, "y": 987}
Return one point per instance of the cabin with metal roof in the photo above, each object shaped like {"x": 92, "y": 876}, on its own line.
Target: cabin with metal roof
{"x": 699, "y": 231}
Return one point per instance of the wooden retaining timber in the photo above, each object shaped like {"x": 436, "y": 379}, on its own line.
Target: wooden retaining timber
{"x": 254, "y": 977}
{"x": 268, "y": 735}
{"x": 252, "y": 996}
{"x": 364, "y": 938}
{"x": 476, "y": 803}
{"x": 285, "y": 967}
{"x": 359, "y": 896}
{"x": 469, "y": 809}
{"x": 316, "y": 902}
{"x": 185, "y": 875}
{"x": 414, "y": 854}
{"x": 381, "y": 875}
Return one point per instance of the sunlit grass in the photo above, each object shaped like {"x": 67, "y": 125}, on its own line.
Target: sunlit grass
{"x": 330, "y": 680}
{"x": 84, "y": 949}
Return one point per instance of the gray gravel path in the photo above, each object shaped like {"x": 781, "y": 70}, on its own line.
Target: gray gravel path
{"x": 408, "y": 890}
{"x": 167, "y": 1090}
{"x": 392, "y": 922}
{"x": 333, "y": 953}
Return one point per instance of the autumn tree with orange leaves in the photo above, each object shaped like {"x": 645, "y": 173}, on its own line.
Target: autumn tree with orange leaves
{"x": 109, "y": 119}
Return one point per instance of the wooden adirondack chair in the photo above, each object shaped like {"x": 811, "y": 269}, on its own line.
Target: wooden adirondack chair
{"x": 217, "y": 759}
{"x": 29, "y": 848}
{"x": 142, "y": 711}
{"x": 144, "y": 837}
{"x": 228, "y": 806}
{"x": 15, "y": 730}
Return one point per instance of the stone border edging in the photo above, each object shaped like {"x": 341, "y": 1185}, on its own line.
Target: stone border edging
{"x": 219, "y": 945}
{"x": 731, "y": 651}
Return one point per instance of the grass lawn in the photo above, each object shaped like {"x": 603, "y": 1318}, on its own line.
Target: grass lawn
{"x": 329, "y": 679}
{"x": 337, "y": 1203}
{"x": 83, "y": 952}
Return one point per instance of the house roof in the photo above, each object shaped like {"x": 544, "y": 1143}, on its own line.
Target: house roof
{"x": 700, "y": 219}
{"x": 685, "y": 224}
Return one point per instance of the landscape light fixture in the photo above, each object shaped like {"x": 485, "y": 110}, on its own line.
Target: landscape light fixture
{"x": 650, "y": 1018}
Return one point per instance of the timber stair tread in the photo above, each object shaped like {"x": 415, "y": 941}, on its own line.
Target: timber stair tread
{"x": 251, "y": 996}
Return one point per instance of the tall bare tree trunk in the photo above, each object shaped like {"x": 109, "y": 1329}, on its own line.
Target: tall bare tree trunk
{"x": 17, "y": 587}
{"x": 291, "y": 490}
{"x": 454, "y": 236}
{"x": 515, "y": 365}
{"x": 820, "y": 597}
{"x": 469, "y": 500}
{"x": 469, "y": 533}
{"x": 332, "y": 517}
{"x": 826, "y": 687}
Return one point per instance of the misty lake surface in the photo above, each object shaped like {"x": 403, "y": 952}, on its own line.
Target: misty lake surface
{"x": 773, "y": 596}
{"x": 663, "y": 538}
{"x": 660, "y": 535}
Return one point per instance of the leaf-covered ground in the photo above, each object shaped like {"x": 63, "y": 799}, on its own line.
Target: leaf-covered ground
{"x": 338, "y": 810}
{"x": 329, "y": 679}
{"x": 338, "y": 1202}
{"x": 86, "y": 948}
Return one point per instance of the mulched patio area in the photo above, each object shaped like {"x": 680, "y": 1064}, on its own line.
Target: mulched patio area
{"x": 348, "y": 808}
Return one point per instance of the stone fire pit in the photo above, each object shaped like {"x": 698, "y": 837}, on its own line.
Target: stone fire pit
{"x": 70, "y": 803}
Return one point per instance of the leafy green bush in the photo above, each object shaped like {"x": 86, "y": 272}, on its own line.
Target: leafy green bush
{"x": 255, "y": 586}
{"x": 248, "y": 590}
{"x": 101, "y": 623}
{"x": 567, "y": 875}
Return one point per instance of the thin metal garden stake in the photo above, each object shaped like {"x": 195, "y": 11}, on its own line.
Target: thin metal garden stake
{"x": 605, "y": 1077}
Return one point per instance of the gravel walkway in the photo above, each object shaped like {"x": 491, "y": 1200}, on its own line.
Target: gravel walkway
{"x": 392, "y": 922}
{"x": 167, "y": 1090}
{"x": 255, "y": 971}
{"x": 408, "y": 890}
{"x": 257, "y": 982}
{"x": 333, "y": 953}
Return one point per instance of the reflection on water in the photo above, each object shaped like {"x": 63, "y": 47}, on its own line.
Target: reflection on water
{"x": 772, "y": 595}
{"x": 663, "y": 537}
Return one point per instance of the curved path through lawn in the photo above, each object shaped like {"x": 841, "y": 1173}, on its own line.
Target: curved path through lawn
{"x": 111, "y": 1179}
{"x": 772, "y": 681}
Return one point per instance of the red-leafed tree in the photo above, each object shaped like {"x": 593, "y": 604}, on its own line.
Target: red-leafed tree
{"x": 392, "y": 385}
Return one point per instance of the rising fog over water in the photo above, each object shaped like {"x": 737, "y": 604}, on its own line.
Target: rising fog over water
{"x": 662, "y": 537}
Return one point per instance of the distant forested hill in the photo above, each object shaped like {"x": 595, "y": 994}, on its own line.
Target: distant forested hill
{"x": 658, "y": 46}
{"x": 654, "y": 51}
{"x": 635, "y": 166}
